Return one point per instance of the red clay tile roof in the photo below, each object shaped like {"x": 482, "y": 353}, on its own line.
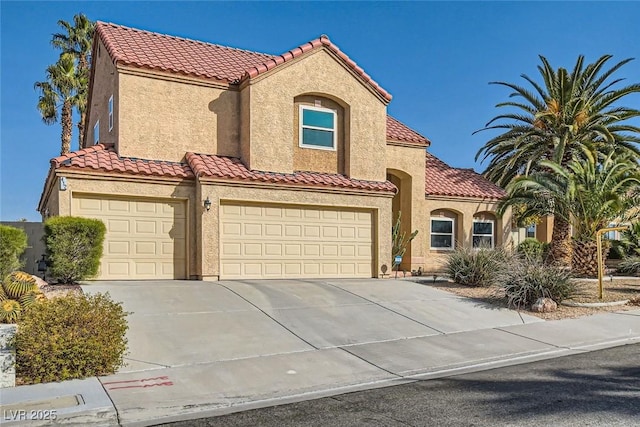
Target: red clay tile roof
{"x": 443, "y": 180}
{"x": 230, "y": 168}
{"x": 130, "y": 46}
{"x": 156, "y": 51}
{"x": 104, "y": 159}
{"x": 398, "y": 131}
{"x": 323, "y": 40}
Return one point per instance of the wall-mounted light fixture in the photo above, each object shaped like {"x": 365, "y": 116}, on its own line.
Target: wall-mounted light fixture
{"x": 63, "y": 183}
{"x": 207, "y": 203}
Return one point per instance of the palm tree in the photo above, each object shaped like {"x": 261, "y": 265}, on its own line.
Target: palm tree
{"x": 58, "y": 93}
{"x": 78, "y": 41}
{"x": 587, "y": 194}
{"x": 557, "y": 121}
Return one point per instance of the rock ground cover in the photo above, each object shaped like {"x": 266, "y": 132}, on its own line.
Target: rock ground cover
{"x": 614, "y": 290}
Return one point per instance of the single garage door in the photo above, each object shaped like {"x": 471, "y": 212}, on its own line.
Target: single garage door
{"x": 276, "y": 241}
{"x": 145, "y": 239}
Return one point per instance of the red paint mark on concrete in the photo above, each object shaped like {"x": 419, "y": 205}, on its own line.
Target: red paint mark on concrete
{"x": 138, "y": 383}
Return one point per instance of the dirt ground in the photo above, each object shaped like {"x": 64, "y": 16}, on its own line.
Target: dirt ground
{"x": 613, "y": 290}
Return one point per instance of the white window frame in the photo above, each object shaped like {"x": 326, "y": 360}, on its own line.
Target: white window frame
{"x": 492, "y": 235}
{"x": 96, "y": 133}
{"x": 452, "y": 234}
{"x": 301, "y": 143}
{"x": 535, "y": 231}
{"x": 110, "y": 106}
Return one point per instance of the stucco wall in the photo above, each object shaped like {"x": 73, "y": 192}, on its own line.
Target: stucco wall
{"x": 407, "y": 165}
{"x": 209, "y": 227}
{"x": 464, "y": 211}
{"x": 105, "y": 85}
{"x": 272, "y": 124}
{"x": 163, "y": 117}
{"x": 112, "y": 186}
{"x": 309, "y": 159}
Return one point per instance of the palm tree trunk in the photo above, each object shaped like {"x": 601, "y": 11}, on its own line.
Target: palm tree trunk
{"x": 560, "y": 251}
{"x": 67, "y": 126}
{"x": 584, "y": 261}
{"x": 83, "y": 116}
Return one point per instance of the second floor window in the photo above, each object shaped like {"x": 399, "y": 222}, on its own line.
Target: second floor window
{"x": 110, "y": 113}
{"x": 96, "y": 132}
{"x": 317, "y": 128}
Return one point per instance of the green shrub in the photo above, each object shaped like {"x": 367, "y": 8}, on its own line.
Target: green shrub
{"x": 74, "y": 247}
{"x": 13, "y": 242}
{"x": 475, "y": 267}
{"x": 534, "y": 249}
{"x": 70, "y": 337}
{"x": 630, "y": 265}
{"x": 525, "y": 280}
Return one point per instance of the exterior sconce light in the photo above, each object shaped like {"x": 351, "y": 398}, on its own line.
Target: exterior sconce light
{"x": 207, "y": 203}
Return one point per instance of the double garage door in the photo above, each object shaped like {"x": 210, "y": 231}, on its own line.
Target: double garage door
{"x": 277, "y": 241}
{"x": 145, "y": 239}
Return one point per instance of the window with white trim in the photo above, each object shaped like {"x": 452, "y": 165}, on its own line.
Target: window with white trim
{"x": 318, "y": 128}
{"x": 96, "y": 132}
{"x": 110, "y": 113}
{"x": 530, "y": 231}
{"x": 442, "y": 233}
{"x": 482, "y": 234}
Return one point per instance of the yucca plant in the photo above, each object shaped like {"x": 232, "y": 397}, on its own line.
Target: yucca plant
{"x": 19, "y": 283}
{"x": 10, "y": 311}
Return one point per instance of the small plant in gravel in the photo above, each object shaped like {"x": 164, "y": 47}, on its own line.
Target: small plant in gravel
{"x": 525, "y": 280}
{"x": 630, "y": 266}
{"x": 70, "y": 337}
{"x": 475, "y": 267}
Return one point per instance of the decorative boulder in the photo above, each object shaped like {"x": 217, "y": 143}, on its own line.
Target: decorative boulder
{"x": 39, "y": 282}
{"x": 544, "y": 305}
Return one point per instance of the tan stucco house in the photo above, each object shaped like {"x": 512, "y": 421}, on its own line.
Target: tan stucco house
{"x": 209, "y": 162}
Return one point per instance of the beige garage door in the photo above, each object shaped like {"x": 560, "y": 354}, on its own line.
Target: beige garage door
{"x": 145, "y": 238}
{"x": 273, "y": 241}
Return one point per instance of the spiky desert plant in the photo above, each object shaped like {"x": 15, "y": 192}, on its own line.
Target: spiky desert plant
{"x": 19, "y": 283}
{"x": 30, "y": 298}
{"x": 10, "y": 311}
{"x": 3, "y": 294}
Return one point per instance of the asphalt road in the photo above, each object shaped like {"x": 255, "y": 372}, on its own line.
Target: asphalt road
{"x": 599, "y": 388}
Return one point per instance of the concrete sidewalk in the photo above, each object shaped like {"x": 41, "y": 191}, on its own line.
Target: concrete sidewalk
{"x": 312, "y": 339}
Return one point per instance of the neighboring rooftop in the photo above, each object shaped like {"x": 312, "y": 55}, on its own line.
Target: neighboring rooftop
{"x": 443, "y": 180}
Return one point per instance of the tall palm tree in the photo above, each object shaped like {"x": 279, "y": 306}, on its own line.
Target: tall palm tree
{"x": 58, "y": 93}
{"x": 556, "y": 121}
{"x": 78, "y": 41}
{"x": 587, "y": 194}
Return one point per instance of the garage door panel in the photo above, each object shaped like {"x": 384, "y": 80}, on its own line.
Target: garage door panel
{"x": 145, "y": 239}
{"x": 276, "y": 241}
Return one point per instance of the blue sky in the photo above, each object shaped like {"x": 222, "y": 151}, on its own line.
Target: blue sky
{"x": 435, "y": 58}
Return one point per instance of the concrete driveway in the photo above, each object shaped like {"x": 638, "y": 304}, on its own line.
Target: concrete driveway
{"x": 178, "y": 323}
{"x": 211, "y": 346}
